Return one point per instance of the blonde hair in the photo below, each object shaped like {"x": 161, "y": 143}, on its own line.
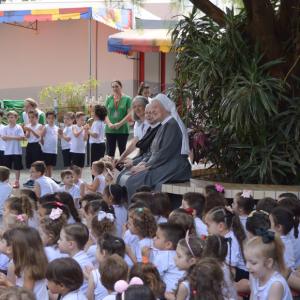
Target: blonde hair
{"x": 273, "y": 249}
{"x": 13, "y": 221}
{"x": 31, "y": 102}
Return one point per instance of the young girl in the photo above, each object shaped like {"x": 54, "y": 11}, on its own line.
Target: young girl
{"x": 46, "y": 209}
{"x": 213, "y": 188}
{"x": 98, "y": 183}
{"x": 257, "y": 219}
{"x": 150, "y": 276}
{"x": 30, "y": 261}
{"x": 65, "y": 277}
{"x": 66, "y": 199}
{"x": 135, "y": 290}
{"x": 162, "y": 201}
{"x": 107, "y": 246}
{"x": 109, "y": 178}
{"x": 99, "y": 113}
{"x": 212, "y": 200}
{"x": 49, "y": 230}
{"x": 221, "y": 221}
{"x": 188, "y": 252}
{"x": 184, "y": 219}
{"x": 242, "y": 205}
{"x": 143, "y": 224}
{"x": 264, "y": 256}
{"x": 116, "y": 195}
{"x": 216, "y": 248}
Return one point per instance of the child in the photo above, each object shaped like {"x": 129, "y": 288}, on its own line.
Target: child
{"x": 222, "y": 221}
{"x": 188, "y": 252}
{"x": 12, "y": 292}
{"x": 66, "y": 199}
{"x": 162, "y": 201}
{"x": 30, "y": 261}
{"x": 73, "y": 238}
{"x": 107, "y": 246}
{"x": 213, "y": 188}
{"x": 4, "y": 187}
{"x": 111, "y": 270}
{"x": 167, "y": 237}
{"x": 66, "y": 136}
{"x": 49, "y": 140}
{"x": 150, "y": 276}
{"x": 206, "y": 280}
{"x": 33, "y": 149}
{"x": 286, "y": 195}
{"x": 85, "y": 199}
{"x": 144, "y": 188}
{"x": 184, "y": 220}
{"x": 109, "y": 178}
{"x": 98, "y": 183}
{"x": 213, "y": 199}
{"x": 77, "y": 179}
{"x": 196, "y": 202}
{"x": 79, "y": 138}
{"x": 115, "y": 195}
{"x": 49, "y": 230}
{"x": 42, "y": 185}
{"x": 46, "y": 208}
{"x": 143, "y": 224}
{"x": 216, "y": 248}
{"x": 257, "y": 219}
{"x": 264, "y": 256}
{"x": 242, "y": 205}
{"x": 13, "y": 135}
{"x": 69, "y": 186}
{"x": 2, "y": 142}
{"x": 99, "y": 113}
{"x": 65, "y": 277}
{"x": 266, "y": 204}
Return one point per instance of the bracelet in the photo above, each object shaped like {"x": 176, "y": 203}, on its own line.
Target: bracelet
{"x": 116, "y": 126}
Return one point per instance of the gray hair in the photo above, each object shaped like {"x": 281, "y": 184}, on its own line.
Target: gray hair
{"x": 144, "y": 101}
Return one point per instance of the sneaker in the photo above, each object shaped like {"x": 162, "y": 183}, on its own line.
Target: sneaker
{"x": 16, "y": 185}
{"x": 28, "y": 183}
{"x": 31, "y": 184}
{"x": 57, "y": 182}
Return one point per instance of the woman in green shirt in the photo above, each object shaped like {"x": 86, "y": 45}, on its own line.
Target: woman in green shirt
{"x": 117, "y": 120}
{"x": 29, "y": 105}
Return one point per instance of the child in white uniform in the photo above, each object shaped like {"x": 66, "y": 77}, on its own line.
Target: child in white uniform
{"x": 77, "y": 179}
{"x": 2, "y": 142}
{"x": 73, "y": 239}
{"x": 42, "y": 185}
{"x": 66, "y": 136}
{"x": 261, "y": 253}
{"x": 49, "y": 137}
{"x": 65, "y": 277}
{"x": 69, "y": 187}
{"x": 116, "y": 195}
{"x": 4, "y": 187}
{"x": 98, "y": 183}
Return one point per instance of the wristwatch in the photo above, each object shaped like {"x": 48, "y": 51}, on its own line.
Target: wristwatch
{"x": 116, "y": 127}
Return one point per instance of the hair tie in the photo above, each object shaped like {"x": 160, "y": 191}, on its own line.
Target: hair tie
{"x": 55, "y": 213}
{"x": 187, "y": 239}
{"x": 189, "y": 210}
{"x": 20, "y": 218}
{"x": 117, "y": 241}
{"x": 153, "y": 194}
{"x": 267, "y": 236}
{"x": 58, "y": 203}
{"x": 219, "y": 188}
{"x": 102, "y": 215}
{"x": 246, "y": 194}
{"x": 121, "y": 285}
{"x": 140, "y": 209}
{"x": 254, "y": 207}
{"x": 194, "y": 292}
{"x": 252, "y": 213}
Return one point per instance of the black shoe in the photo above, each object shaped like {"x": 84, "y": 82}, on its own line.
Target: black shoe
{"x": 57, "y": 182}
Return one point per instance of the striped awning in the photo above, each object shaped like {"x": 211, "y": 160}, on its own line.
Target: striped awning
{"x": 116, "y": 18}
{"x": 144, "y": 40}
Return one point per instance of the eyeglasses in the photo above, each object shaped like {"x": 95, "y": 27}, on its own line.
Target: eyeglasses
{"x": 32, "y": 171}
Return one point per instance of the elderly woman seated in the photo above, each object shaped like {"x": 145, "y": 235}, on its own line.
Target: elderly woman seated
{"x": 167, "y": 158}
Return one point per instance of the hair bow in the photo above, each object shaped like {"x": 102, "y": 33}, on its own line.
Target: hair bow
{"x": 55, "y": 213}
{"x": 189, "y": 210}
{"x": 58, "y": 203}
{"x": 20, "y": 218}
{"x": 121, "y": 286}
{"x": 102, "y": 215}
{"x": 246, "y": 194}
{"x": 187, "y": 239}
{"x": 219, "y": 188}
{"x": 110, "y": 173}
{"x": 265, "y": 233}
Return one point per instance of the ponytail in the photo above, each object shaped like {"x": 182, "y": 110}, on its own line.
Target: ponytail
{"x": 111, "y": 244}
{"x": 118, "y": 193}
{"x": 20, "y": 205}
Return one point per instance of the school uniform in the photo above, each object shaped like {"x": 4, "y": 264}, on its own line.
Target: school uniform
{"x": 296, "y": 246}
{"x": 74, "y": 191}
{"x": 50, "y": 145}
{"x": 5, "y": 193}
{"x": 45, "y": 185}
{"x": 243, "y": 220}
{"x": 288, "y": 255}
{"x": 2, "y": 145}
{"x": 97, "y": 144}
{"x": 91, "y": 254}
{"x": 83, "y": 261}
{"x": 13, "y": 149}
{"x": 33, "y": 222}
{"x": 78, "y": 148}
{"x": 140, "y": 245}
{"x": 100, "y": 291}
{"x": 101, "y": 185}
{"x": 111, "y": 296}
{"x": 33, "y": 150}
{"x": 71, "y": 220}
{"x": 167, "y": 269}
{"x": 53, "y": 252}
{"x": 121, "y": 218}
{"x": 160, "y": 219}
{"x": 4, "y": 262}
{"x": 187, "y": 285}
{"x": 66, "y": 146}
{"x": 55, "y": 186}
{"x": 132, "y": 241}
{"x": 200, "y": 227}
{"x": 80, "y": 182}
{"x": 229, "y": 289}
{"x": 75, "y": 295}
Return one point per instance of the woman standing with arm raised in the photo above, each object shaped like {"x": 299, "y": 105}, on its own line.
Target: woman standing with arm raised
{"x": 117, "y": 121}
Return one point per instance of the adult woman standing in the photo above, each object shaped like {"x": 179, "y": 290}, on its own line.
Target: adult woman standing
{"x": 29, "y": 105}
{"x": 117, "y": 121}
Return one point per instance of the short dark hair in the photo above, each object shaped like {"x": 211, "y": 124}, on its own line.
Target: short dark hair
{"x": 65, "y": 271}
{"x": 247, "y": 204}
{"x": 4, "y": 173}
{"x": 76, "y": 169}
{"x": 287, "y": 195}
{"x": 33, "y": 112}
{"x": 266, "y": 204}
{"x": 51, "y": 113}
{"x": 138, "y": 204}
{"x": 143, "y": 188}
{"x": 292, "y": 204}
{"x": 39, "y": 166}
{"x": 112, "y": 269}
{"x": 78, "y": 233}
{"x": 47, "y": 198}
{"x": 195, "y": 201}
{"x": 259, "y": 219}
{"x": 137, "y": 292}
{"x": 96, "y": 205}
{"x": 111, "y": 244}
{"x": 172, "y": 232}
{"x": 64, "y": 173}
{"x": 100, "y": 111}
